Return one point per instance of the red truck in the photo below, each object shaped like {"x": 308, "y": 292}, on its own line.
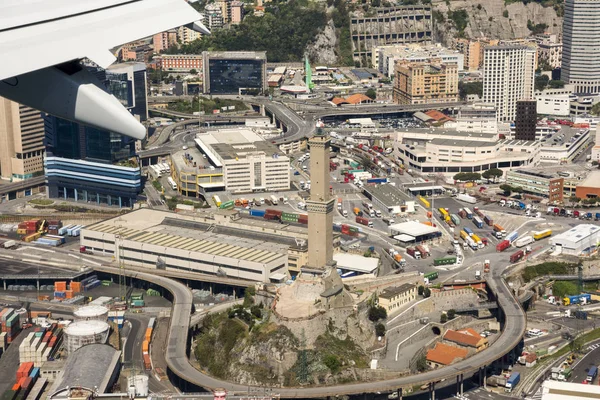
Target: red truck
{"x": 416, "y": 254}
{"x": 503, "y": 245}
{"x": 515, "y": 257}
{"x": 462, "y": 213}
{"x": 423, "y": 251}
{"x": 488, "y": 221}
{"x": 364, "y": 221}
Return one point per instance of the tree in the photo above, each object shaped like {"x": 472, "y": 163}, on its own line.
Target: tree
{"x": 556, "y": 84}
{"x": 371, "y": 93}
{"x": 422, "y": 363}
{"x": 256, "y": 311}
{"x": 507, "y": 189}
{"x": 332, "y": 362}
{"x": 492, "y": 173}
{"x": 541, "y": 82}
{"x": 467, "y": 88}
{"x": 193, "y": 71}
{"x": 376, "y": 313}
{"x": 421, "y": 289}
{"x": 467, "y": 176}
{"x": 505, "y": 13}
{"x": 596, "y": 109}
{"x": 451, "y": 313}
{"x": 427, "y": 292}
{"x": 380, "y": 329}
{"x": 443, "y": 318}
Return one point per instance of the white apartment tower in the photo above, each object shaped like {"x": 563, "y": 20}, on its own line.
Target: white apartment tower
{"x": 581, "y": 45}
{"x": 508, "y": 76}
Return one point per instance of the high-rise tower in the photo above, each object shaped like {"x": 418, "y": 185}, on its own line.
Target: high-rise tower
{"x": 320, "y": 206}
{"x": 581, "y": 45}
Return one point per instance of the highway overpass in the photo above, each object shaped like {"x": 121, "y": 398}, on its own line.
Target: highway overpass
{"x": 178, "y": 341}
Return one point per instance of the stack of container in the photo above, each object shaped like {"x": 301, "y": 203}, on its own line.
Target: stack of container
{"x": 24, "y": 370}
{"x": 37, "y": 389}
{"x": 10, "y": 323}
{"x": 53, "y": 226}
{"x": 75, "y": 287}
{"x": 32, "y": 237}
{"x": 38, "y": 345}
{"x": 88, "y": 283}
{"x": 75, "y": 230}
{"x": 29, "y": 227}
{"x": 117, "y": 317}
{"x": 51, "y": 240}
{"x": 137, "y": 300}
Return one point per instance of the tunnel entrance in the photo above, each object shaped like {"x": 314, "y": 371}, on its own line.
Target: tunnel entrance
{"x": 436, "y": 330}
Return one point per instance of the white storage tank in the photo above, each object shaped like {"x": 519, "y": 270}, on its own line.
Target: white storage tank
{"x": 80, "y": 333}
{"x": 138, "y": 385}
{"x": 91, "y": 312}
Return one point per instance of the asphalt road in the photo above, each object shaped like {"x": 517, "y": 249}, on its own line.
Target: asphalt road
{"x": 585, "y": 363}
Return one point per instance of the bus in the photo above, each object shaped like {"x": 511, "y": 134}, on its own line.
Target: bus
{"x": 217, "y": 201}
{"x": 172, "y": 183}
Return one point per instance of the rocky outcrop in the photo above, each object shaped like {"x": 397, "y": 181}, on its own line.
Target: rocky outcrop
{"x": 323, "y": 49}
{"x": 487, "y": 19}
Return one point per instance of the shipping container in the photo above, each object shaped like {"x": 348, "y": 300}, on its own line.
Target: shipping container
{"x": 455, "y": 219}
{"x": 524, "y": 241}
{"x": 444, "y": 261}
{"x": 478, "y": 222}
{"x": 511, "y": 382}
{"x": 538, "y": 235}
{"x": 512, "y": 236}
{"x": 431, "y": 275}
{"x": 503, "y": 245}
{"x": 488, "y": 220}
{"x": 516, "y": 257}
{"x": 468, "y": 231}
{"x": 469, "y": 213}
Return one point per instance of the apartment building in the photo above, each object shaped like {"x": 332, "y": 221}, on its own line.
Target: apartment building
{"x": 508, "y": 76}
{"x": 385, "y": 57}
{"x": 21, "y": 141}
{"x": 394, "y": 298}
{"x": 425, "y": 82}
{"x": 550, "y": 50}
{"x": 248, "y": 162}
{"x": 580, "y": 45}
{"x": 237, "y": 12}
{"x": 164, "y": 40}
{"x": 472, "y": 51}
{"x": 186, "y": 35}
{"x": 180, "y": 62}
{"x": 389, "y": 25}
{"x": 213, "y": 16}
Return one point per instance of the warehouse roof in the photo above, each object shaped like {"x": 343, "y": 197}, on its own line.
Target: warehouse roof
{"x": 445, "y": 354}
{"x": 464, "y": 338}
{"x": 461, "y": 143}
{"x": 577, "y": 233}
{"x": 555, "y": 390}
{"x": 83, "y": 366}
{"x": 231, "y": 144}
{"x": 413, "y": 228}
{"x": 592, "y": 180}
{"x": 389, "y": 195}
{"x": 356, "y": 262}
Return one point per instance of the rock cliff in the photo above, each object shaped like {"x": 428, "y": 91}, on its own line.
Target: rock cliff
{"x": 487, "y": 18}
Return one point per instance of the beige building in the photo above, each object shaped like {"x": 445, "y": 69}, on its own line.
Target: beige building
{"x": 550, "y": 50}
{"x": 425, "y": 82}
{"x": 163, "y": 40}
{"x": 473, "y": 52}
{"x": 248, "y": 162}
{"x": 394, "y": 298}
{"x": 186, "y": 35}
{"x": 237, "y": 12}
{"x": 21, "y": 141}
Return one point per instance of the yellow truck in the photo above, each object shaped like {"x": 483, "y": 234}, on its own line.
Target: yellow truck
{"x": 538, "y": 235}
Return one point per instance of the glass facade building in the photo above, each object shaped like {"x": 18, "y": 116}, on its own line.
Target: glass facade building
{"x": 80, "y": 159}
{"x": 234, "y": 72}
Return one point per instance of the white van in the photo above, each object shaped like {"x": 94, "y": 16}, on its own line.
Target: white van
{"x": 345, "y": 213}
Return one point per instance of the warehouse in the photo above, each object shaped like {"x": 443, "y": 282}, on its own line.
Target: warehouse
{"x": 158, "y": 239}
{"x": 553, "y": 390}
{"x": 93, "y": 367}
{"x": 577, "y": 241}
{"x": 413, "y": 232}
{"x": 248, "y": 162}
{"x": 355, "y": 263}
{"x": 390, "y": 199}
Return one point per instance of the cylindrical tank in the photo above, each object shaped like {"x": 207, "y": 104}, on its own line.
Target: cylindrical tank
{"x": 91, "y": 312}
{"x": 80, "y": 333}
{"x": 139, "y": 384}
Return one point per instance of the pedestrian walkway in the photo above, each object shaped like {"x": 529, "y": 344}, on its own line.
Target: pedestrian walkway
{"x": 593, "y": 347}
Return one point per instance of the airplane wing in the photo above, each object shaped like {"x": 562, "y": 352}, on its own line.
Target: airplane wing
{"x": 37, "y": 35}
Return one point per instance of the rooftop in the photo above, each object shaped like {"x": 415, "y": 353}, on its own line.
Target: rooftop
{"x": 555, "y": 390}
{"x": 461, "y": 143}
{"x": 231, "y": 144}
{"x": 389, "y": 195}
{"x": 356, "y": 262}
{"x": 390, "y": 292}
{"x": 90, "y": 366}
{"x": 413, "y": 228}
{"x": 468, "y": 338}
{"x": 577, "y": 233}
{"x": 445, "y": 354}
{"x": 238, "y": 55}
{"x": 592, "y": 180}
{"x": 157, "y": 228}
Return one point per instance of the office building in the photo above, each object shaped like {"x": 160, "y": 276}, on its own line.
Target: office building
{"x": 581, "y": 52}
{"x": 180, "y": 62}
{"x": 234, "y": 72}
{"x": 174, "y": 242}
{"x": 596, "y": 148}
{"x": 92, "y": 165}
{"x": 164, "y": 40}
{"x": 479, "y": 118}
{"x": 389, "y": 25}
{"x": 538, "y": 183}
{"x": 384, "y": 57}
{"x": 526, "y": 120}
{"x": 508, "y": 76}
{"x": 21, "y": 141}
{"x": 213, "y": 16}
{"x": 248, "y": 162}
{"x": 320, "y": 205}
{"x": 425, "y": 82}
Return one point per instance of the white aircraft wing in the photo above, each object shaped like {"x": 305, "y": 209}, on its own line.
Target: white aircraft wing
{"x": 36, "y": 35}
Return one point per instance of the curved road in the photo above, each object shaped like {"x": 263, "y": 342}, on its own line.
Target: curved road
{"x": 177, "y": 360}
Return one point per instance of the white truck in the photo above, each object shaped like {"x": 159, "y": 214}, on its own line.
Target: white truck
{"x": 388, "y": 220}
{"x": 274, "y": 200}
{"x": 466, "y": 198}
{"x": 9, "y": 244}
{"x": 524, "y": 241}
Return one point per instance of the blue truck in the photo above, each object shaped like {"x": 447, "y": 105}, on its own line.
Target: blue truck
{"x": 469, "y": 231}
{"x": 511, "y": 382}
{"x": 376, "y": 180}
{"x": 597, "y": 217}
{"x": 478, "y": 222}
{"x": 592, "y": 374}
{"x": 512, "y": 236}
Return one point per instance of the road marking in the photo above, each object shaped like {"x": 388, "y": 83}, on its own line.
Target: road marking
{"x": 593, "y": 347}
